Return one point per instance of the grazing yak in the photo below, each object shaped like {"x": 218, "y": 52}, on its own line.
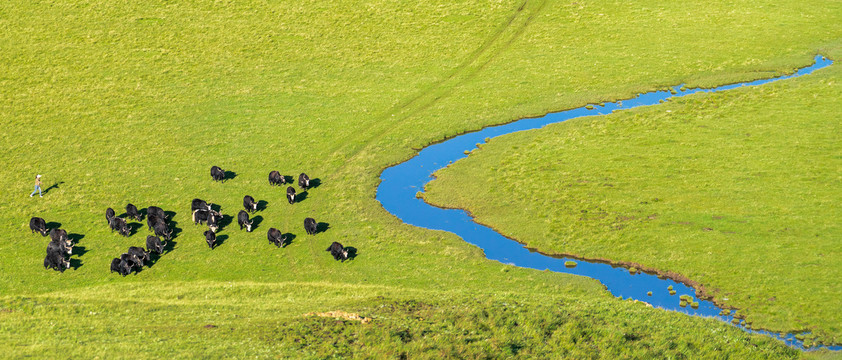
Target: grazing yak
{"x": 120, "y": 225}
{"x": 200, "y": 216}
{"x": 338, "y": 251}
{"x": 218, "y": 174}
{"x": 123, "y": 267}
{"x": 249, "y": 204}
{"x": 310, "y": 226}
{"x": 199, "y": 204}
{"x": 132, "y": 260}
{"x": 290, "y": 194}
{"x": 59, "y": 247}
{"x": 161, "y": 229}
{"x": 115, "y": 266}
{"x": 152, "y": 219}
{"x": 210, "y": 237}
{"x": 109, "y": 215}
{"x": 59, "y": 235}
{"x": 303, "y": 181}
{"x": 156, "y": 211}
{"x": 275, "y": 178}
{"x": 213, "y": 221}
{"x": 243, "y": 220}
{"x": 132, "y": 213}
{"x": 276, "y": 237}
{"x": 153, "y": 243}
{"x": 209, "y": 216}
{"x": 56, "y": 262}
{"x": 158, "y": 226}
{"x": 140, "y": 253}
{"x": 120, "y": 266}
{"x": 39, "y": 225}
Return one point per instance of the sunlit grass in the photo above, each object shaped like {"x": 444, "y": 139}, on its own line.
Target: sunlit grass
{"x": 736, "y": 190}
{"x": 118, "y": 102}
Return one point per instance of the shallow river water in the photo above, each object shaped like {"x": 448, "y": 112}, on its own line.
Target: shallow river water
{"x": 400, "y": 183}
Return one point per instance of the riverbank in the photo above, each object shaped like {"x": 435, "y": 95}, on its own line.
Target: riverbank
{"x": 717, "y": 188}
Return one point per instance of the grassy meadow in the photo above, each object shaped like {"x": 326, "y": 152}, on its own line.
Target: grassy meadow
{"x": 247, "y": 319}
{"x": 736, "y": 190}
{"x": 117, "y": 102}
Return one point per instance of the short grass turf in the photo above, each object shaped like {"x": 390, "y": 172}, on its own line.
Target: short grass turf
{"x": 736, "y": 190}
{"x": 118, "y": 102}
{"x": 216, "y": 319}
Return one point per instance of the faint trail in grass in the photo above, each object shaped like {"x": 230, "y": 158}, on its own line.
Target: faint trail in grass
{"x": 500, "y": 40}
{"x": 476, "y": 61}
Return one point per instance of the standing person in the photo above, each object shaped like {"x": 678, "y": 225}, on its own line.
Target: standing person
{"x": 37, "y": 187}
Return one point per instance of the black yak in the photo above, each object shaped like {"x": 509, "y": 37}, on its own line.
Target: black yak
{"x": 338, "y": 251}
{"x": 310, "y": 226}
{"x": 39, "y": 225}
{"x": 303, "y": 181}
{"x": 275, "y": 237}
{"x": 275, "y": 178}
{"x": 243, "y": 220}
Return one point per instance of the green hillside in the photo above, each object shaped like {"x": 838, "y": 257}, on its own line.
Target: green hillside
{"x": 735, "y": 190}
{"x": 117, "y": 102}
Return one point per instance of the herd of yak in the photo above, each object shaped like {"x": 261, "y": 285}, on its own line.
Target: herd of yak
{"x": 61, "y": 246}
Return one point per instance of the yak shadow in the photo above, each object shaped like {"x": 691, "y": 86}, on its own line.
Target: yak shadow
{"x": 154, "y": 257}
{"x": 170, "y": 215}
{"x": 53, "y": 225}
{"x": 175, "y": 230}
{"x": 134, "y": 227}
{"x": 262, "y": 205}
{"x": 53, "y": 186}
{"x": 288, "y": 237}
{"x": 255, "y": 222}
{"x": 225, "y": 221}
{"x": 322, "y": 227}
{"x": 75, "y": 263}
{"x": 125, "y": 215}
{"x": 352, "y": 252}
{"x": 79, "y": 250}
{"x": 219, "y": 240}
{"x": 229, "y": 175}
{"x": 141, "y": 215}
{"x": 169, "y": 245}
{"x": 75, "y": 237}
{"x": 301, "y": 196}
{"x": 287, "y": 179}
{"x": 314, "y": 183}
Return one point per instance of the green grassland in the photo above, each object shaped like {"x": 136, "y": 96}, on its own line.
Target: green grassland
{"x": 118, "y": 102}
{"x": 738, "y": 191}
{"x": 244, "y": 319}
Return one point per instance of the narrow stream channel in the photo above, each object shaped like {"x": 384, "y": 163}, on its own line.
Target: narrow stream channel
{"x": 400, "y": 183}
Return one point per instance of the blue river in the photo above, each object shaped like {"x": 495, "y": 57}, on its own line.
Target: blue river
{"x": 400, "y": 184}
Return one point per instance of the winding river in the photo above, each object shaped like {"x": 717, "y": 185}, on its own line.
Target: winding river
{"x": 400, "y": 183}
